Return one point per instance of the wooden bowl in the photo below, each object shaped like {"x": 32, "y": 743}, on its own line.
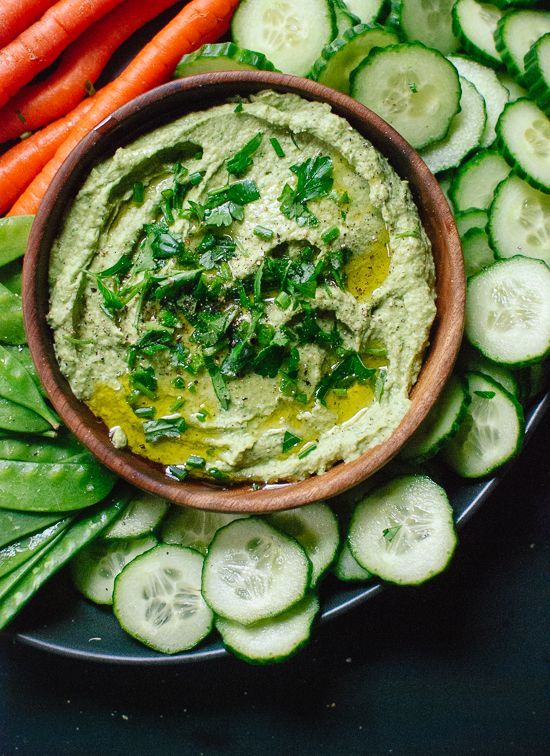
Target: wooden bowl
{"x": 165, "y": 104}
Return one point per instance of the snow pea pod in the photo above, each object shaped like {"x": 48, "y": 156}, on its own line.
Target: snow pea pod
{"x": 17, "y": 384}
{"x": 14, "y": 554}
{"x": 13, "y": 577}
{"x": 53, "y": 486}
{"x": 11, "y": 277}
{"x": 29, "y": 449}
{"x": 23, "y": 354}
{"x": 11, "y": 317}
{"x": 18, "y": 419}
{"x": 87, "y": 527}
{"x": 14, "y": 233}
{"x": 17, "y": 525}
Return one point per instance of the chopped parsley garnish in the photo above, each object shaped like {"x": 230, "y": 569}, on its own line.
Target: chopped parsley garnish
{"x": 307, "y": 450}
{"x": 169, "y": 426}
{"x": 330, "y": 235}
{"x": 242, "y": 160}
{"x": 283, "y": 300}
{"x": 238, "y": 108}
{"x": 195, "y": 461}
{"x": 314, "y": 180}
{"x": 277, "y": 147}
{"x": 390, "y": 533}
{"x": 262, "y": 232}
{"x": 138, "y": 193}
{"x": 119, "y": 268}
{"x": 143, "y": 379}
{"x": 176, "y": 471}
{"x": 215, "y": 249}
{"x": 226, "y": 204}
{"x": 485, "y": 394}
{"x": 349, "y": 370}
{"x": 379, "y": 384}
{"x": 144, "y": 411}
{"x": 289, "y": 441}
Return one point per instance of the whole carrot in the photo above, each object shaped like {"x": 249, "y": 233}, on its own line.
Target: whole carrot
{"x": 199, "y": 22}
{"x": 39, "y": 45}
{"x": 17, "y": 15}
{"x": 79, "y": 67}
{"x": 26, "y": 159}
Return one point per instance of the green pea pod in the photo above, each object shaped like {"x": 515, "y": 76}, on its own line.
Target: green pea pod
{"x": 53, "y": 486}
{"x": 11, "y": 317}
{"x": 23, "y": 354}
{"x": 12, "y": 578}
{"x": 29, "y": 449}
{"x": 11, "y": 277}
{"x": 18, "y": 419}
{"x": 17, "y": 525}
{"x": 14, "y": 554}
{"x": 17, "y": 385}
{"x": 87, "y": 527}
{"x": 14, "y": 233}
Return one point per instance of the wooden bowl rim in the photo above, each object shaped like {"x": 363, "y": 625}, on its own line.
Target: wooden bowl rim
{"x": 149, "y": 476}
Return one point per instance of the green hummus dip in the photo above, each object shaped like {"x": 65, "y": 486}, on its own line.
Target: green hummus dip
{"x": 245, "y": 293}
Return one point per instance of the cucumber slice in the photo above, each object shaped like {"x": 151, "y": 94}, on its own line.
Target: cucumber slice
{"x": 515, "y": 34}
{"x": 492, "y": 432}
{"x": 470, "y": 360}
{"x": 444, "y": 181}
{"x": 429, "y": 22}
{"x": 467, "y": 219}
{"x": 403, "y": 531}
{"x": 338, "y": 60}
{"x": 477, "y": 251}
{"x": 489, "y": 87}
{"x": 524, "y": 137}
{"x": 14, "y": 232}
{"x": 532, "y": 380}
{"x": 95, "y": 568}
{"x": 515, "y": 91}
{"x": 464, "y": 134}
{"x": 223, "y": 56}
{"x": 475, "y": 24}
{"x": 508, "y": 311}
{"x": 475, "y": 182}
{"x": 291, "y": 35}
{"x": 347, "y": 568}
{"x": 143, "y": 514}
{"x": 315, "y": 527}
{"x": 412, "y": 87}
{"x": 274, "y": 639}
{"x": 254, "y": 571}
{"x": 345, "y": 19}
{"x": 519, "y": 221}
{"x": 442, "y": 423}
{"x": 157, "y": 599}
{"x": 537, "y": 73}
{"x": 194, "y": 527}
{"x": 368, "y": 11}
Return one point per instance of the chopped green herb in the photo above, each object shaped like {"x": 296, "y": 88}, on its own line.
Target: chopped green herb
{"x": 414, "y": 234}
{"x": 390, "y": 533}
{"x": 173, "y": 285}
{"x": 242, "y": 160}
{"x": 330, "y": 235}
{"x": 112, "y": 302}
{"x": 290, "y": 440}
{"x": 168, "y": 319}
{"x": 345, "y": 373}
{"x": 485, "y": 394}
{"x": 344, "y": 199}
{"x": 379, "y": 384}
{"x": 307, "y": 450}
{"x": 375, "y": 351}
{"x": 215, "y": 249}
{"x": 195, "y": 461}
{"x": 144, "y": 411}
{"x": 238, "y": 108}
{"x": 25, "y": 135}
{"x": 218, "y": 383}
{"x": 283, "y": 300}
{"x": 262, "y": 232}
{"x": 277, "y": 147}
{"x": 213, "y": 472}
{"x": 314, "y": 181}
{"x": 169, "y": 426}
{"x": 201, "y": 415}
{"x": 178, "y": 404}
{"x": 143, "y": 379}
{"x": 176, "y": 471}
{"x": 138, "y": 193}
{"x": 120, "y": 267}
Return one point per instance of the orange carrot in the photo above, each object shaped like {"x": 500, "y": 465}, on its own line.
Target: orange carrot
{"x": 22, "y": 163}
{"x": 40, "y": 44}
{"x": 199, "y": 22}
{"x": 79, "y": 67}
{"x": 18, "y": 15}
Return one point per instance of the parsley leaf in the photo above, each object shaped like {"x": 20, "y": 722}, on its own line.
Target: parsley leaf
{"x": 215, "y": 249}
{"x": 144, "y": 380}
{"x": 242, "y": 160}
{"x": 218, "y": 383}
{"x": 169, "y": 426}
{"x": 119, "y": 268}
{"x": 314, "y": 181}
{"x": 348, "y": 371}
{"x": 290, "y": 440}
{"x": 211, "y": 328}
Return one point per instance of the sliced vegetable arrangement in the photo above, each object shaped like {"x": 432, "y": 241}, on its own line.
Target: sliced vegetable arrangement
{"x": 466, "y": 83}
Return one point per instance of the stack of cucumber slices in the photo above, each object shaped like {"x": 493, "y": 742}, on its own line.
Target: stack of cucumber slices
{"x": 468, "y": 84}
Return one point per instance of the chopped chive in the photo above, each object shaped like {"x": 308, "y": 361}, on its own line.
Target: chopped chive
{"x": 213, "y": 472}
{"x": 414, "y": 234}
{"x": 176, "y": 471}
{"x": 283, "y": 300}
{"x": 138, "y": 193}
{"x": 144, "y": 411}
{"x": 300, "y": 397}
{"x": 178, "y": 404}
{"x": 340, "y": 392}
{"x": 195, "y": 461}
{"x": 201, "y": 415}
{"x": 307, "y": 451}
{"x": 390, "y": 533}
{"x": 330, "y": 234}
{"x": 179, "y": 382}
{"x": 290, "y": 440}
{"x": 344, "y": 199}
{"x": 262, "y": 232}
{"x": 277, "y": 147}
{"x": 238, "y": 108}
{"x": 167, "y": 212}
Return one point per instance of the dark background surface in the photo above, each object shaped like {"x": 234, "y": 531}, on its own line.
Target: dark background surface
{"x": 458, "y": 666}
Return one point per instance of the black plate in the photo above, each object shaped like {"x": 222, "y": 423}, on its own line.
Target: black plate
{"x": 62, "y": 622}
